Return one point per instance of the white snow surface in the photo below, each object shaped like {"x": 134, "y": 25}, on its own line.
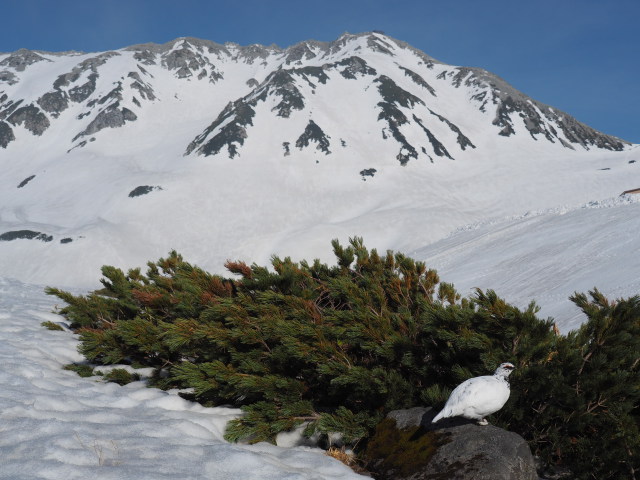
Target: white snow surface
{"x": 56, "y": 425}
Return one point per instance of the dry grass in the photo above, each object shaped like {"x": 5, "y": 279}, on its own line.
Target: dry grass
{"x": 348, "y": 458}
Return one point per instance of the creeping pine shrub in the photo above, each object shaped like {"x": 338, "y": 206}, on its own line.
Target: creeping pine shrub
{"x": 334, "y": 348}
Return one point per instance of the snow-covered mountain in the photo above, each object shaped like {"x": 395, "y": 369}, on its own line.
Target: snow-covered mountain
{"x": 406, "y": 95}
{"x": 228, "y": 151}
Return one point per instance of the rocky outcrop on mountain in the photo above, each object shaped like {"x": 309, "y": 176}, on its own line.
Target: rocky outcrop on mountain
{"x": 407, "y": 446}
{"x": 313, "y": 133}
{"x": 31, "y": 117}
{"x": 21, "y": 59}
{"x": 539, "y": 118}
{"x": 188, "y": 62}
{"x": 8, "y": 77}
{"x": 111, "y": 117}
{"x": 6, "y": 134}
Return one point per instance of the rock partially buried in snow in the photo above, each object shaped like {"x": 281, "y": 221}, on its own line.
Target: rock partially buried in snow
{"x": 407, "y": 446}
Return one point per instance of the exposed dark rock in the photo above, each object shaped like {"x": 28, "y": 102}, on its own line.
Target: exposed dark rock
{"x": 25, "y": 235}
{"x": 26, "y": 180}
{"x": 6, "y": 134}
{"x": 282, "y": 84}
{"x": 367, "y": 172}
{"x": 313, "y": 133}
{"x": 114, "y": 95}
{"x": 66, "y": 240}
{"x": 408, "y": 446}
{"x": 438, "y": 148}
{"x": 392, "y": 93}
{"x": 186, "y": 61}
{"x": 230, "y": 135}
{"x": 8, "y": 108}
{"x": 299, "y": 52}
{"x": 21, "y": 59}
{"x": 315, "y": 72}
{"x": 145, "y": 57}
{"x": 395, "y": 118}
{"x": 65, "y": 79}
{"x": 32, "y": 117}
{"x": 54, "y": 102}
{"x": 354, "y": 66}
{"x": 80, "y": 93}
{"x": 538, "y": 117}
{"x": 418, "y": 79}
{"x": 110, "y": 117}
{"x": 287, "y": 150}
{"x": 252, "y": 53}
{"x": 377, "y": 44}
{"x": 463, "y": 141}
{"x": 143, "y": 190}
{"x": 8, "y": 77}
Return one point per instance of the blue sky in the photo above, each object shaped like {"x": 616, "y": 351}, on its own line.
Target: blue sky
{"x": 581, "y": 56}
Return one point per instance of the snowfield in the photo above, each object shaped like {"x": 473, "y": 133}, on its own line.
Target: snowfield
{"x": 57, "y": 425}
{"x": 547, "y": 256}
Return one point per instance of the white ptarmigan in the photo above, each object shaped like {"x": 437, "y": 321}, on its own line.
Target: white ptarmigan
{"x": 479, "y": 397}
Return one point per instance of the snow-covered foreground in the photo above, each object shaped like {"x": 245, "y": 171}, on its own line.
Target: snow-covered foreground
{"x": 56, "y": 425}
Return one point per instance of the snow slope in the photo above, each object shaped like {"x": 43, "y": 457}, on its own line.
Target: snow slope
{"x": 55, "y": 424}
{"x": 547, "y": 256}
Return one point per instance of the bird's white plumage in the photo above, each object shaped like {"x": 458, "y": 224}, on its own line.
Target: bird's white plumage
{"x": 478, "y": 397}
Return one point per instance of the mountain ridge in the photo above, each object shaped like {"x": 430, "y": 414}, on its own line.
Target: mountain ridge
{"x": 189, "y": 58}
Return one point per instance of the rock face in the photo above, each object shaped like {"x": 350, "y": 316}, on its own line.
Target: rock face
{"x": 407, "y": 446}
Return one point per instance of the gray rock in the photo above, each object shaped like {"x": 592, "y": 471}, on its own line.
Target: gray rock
{"x": 143, "y": 190}
{"x": 407, "y": 446}
{"x": 80, "y": 93}
{"x": 25, "y": 235}
{"x": 54, "y": 102}
{"x": 21, "y": 59}
{"x": 110, "y": 117}
{"x": 8, "y": 77}
{"x": 354, "y": 66}
{"x": 6, "y": 134}
{"x": 8, "y": 108}
{"x": 26, "y": 180}
{"x": 313, "y": 133}
{"x": 32, "y": 117}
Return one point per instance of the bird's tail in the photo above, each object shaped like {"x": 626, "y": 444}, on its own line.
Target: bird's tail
{"x": 438, "y": 416}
